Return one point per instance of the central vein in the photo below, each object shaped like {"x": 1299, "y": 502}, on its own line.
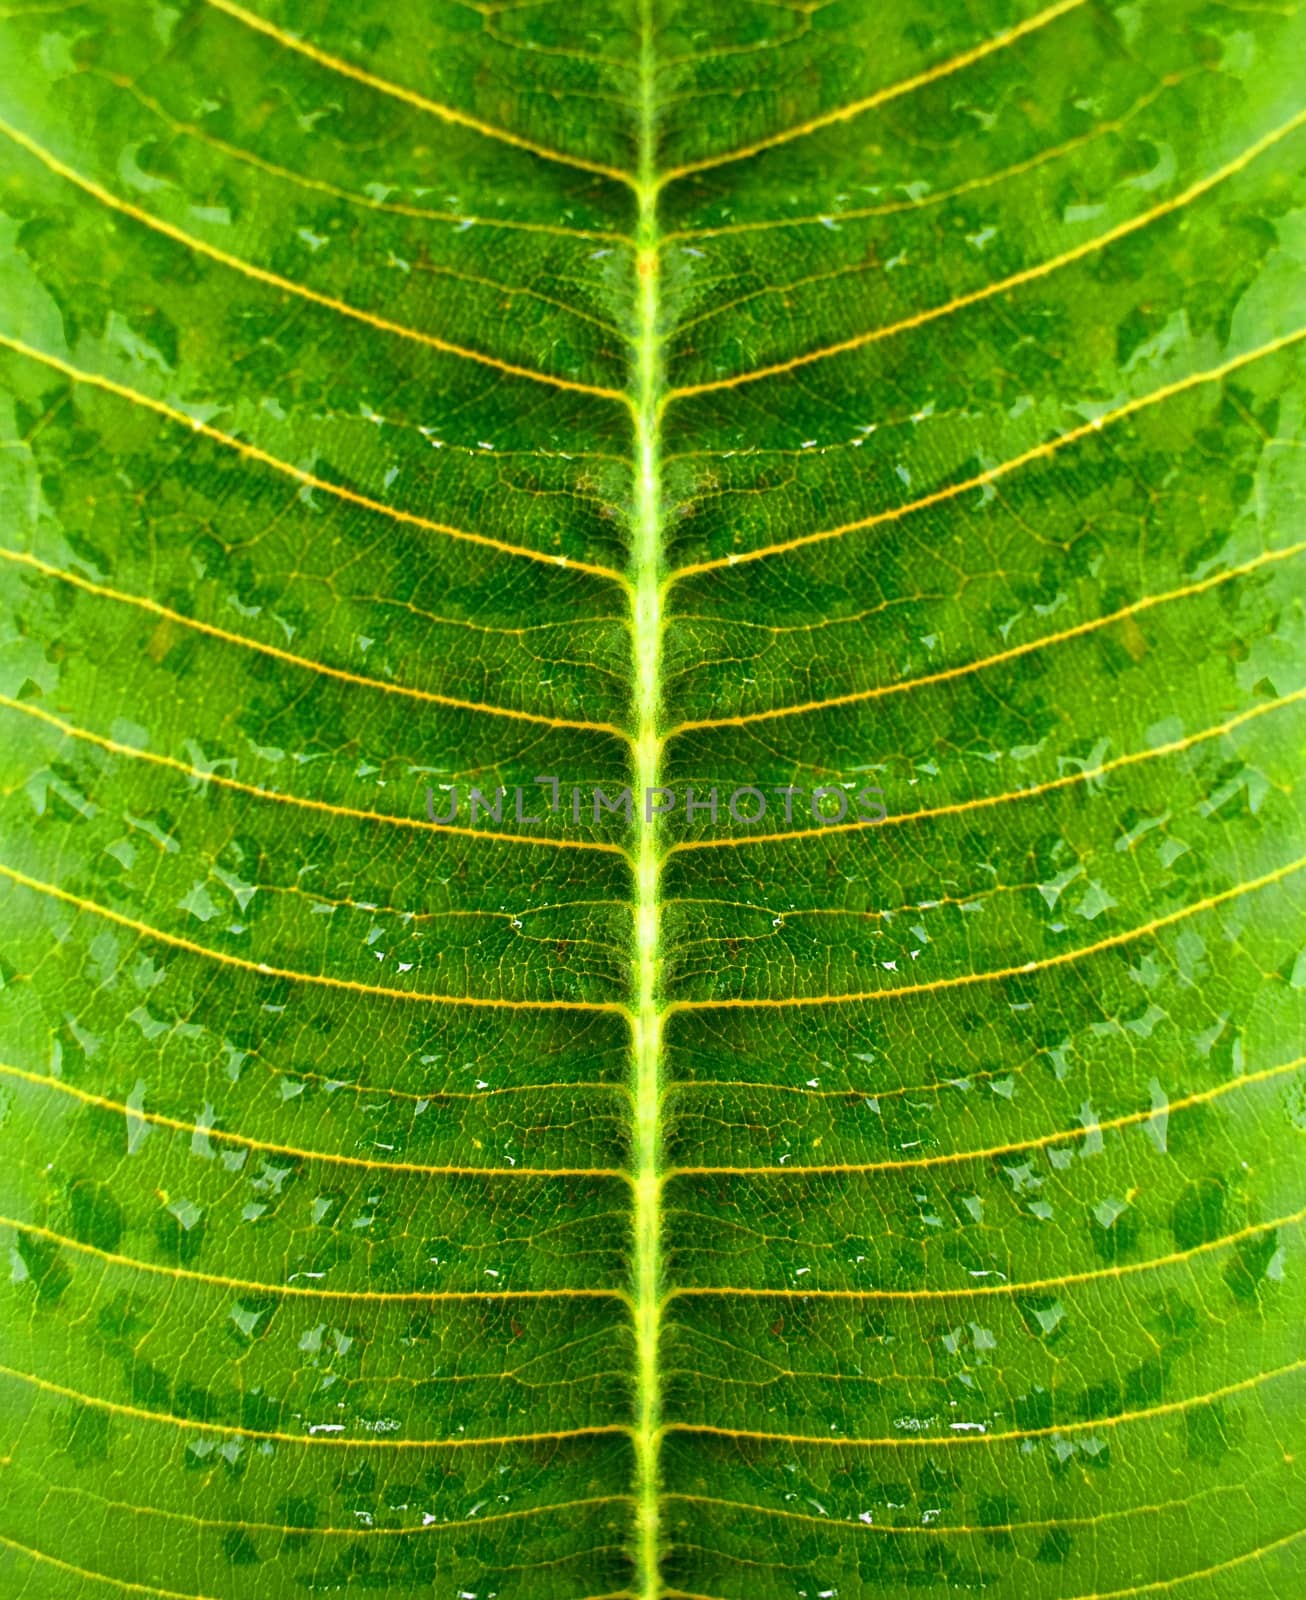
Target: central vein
{"x": 647, "y": 640}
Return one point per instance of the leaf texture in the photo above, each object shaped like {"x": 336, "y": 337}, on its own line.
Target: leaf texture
{"x": 712, "y": 394}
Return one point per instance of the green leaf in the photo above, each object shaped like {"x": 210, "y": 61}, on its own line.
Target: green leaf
{"x": 848, "y": 396}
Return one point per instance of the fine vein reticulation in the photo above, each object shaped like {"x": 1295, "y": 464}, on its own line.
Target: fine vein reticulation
{"x": 469, "y": 411}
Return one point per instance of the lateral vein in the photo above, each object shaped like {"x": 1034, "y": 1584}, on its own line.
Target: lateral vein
{"x": 231, "y": 1430}
{"x": 309, "y": 480}
{"x": 1010, "y": 1435}
{"x": 984, "y": 802}
{"x": 290, "y": 1291}
{"x": 307, "y": 663}
{"x": 279, "y": 796}
{"x": 329, "y": 1157}
{"x": 274, "y": 280}
{"x": 919, "y": 80}
{"x": 264, "y": 970}
{"x": 980, "y": 480}
{"x": 396, "y": 91}
{"x": 1001, "y": 657}
{"x": 1013, "y": 1147}
{"x": 1041, "y": 269}
{"x": 1028, "y": 968}
{"x": 971, "y": 1291}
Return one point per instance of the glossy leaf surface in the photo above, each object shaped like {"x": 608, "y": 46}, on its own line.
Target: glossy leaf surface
{"x": 404, "y": 397}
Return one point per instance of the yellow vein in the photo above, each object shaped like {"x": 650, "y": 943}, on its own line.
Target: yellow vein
{"x": 396, "y": 91}
{"x": 256, "y": 792}
{"x": 264, "y": 970}
{"x": 961, "y": 807}
{"x": 1157, "y": 1585}
{"x": 1038, "y": 452}
{"x": 223, "y": 1136}
{"x": 358, "y": 1531}
{"x": 233, "y": 1431}
{"x": 1015, "y": 1146}
{"x": 936, "y": 1530}
{"x": 215, "y": 1280}
{"x": 1052, "y": 1431}
{"x": 459, "y": 220}
{"x": 833, "y": 218}
{"x": 881, "y": 97}
{"x": 306, "y": 663}
{"x": 1064, "y": 1280}
{"x": 127, "y": 1587}
{"x": 948, "y": 674}
{"x": 308, "y": 480}
{"x": 1025, "y": 969}
{"x": 1043, "y": 269}
{"x": 647, "y": 391}
{"x": 274, "y": 280}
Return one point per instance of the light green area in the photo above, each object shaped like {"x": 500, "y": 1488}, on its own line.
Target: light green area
{"x": 405, "y": 396}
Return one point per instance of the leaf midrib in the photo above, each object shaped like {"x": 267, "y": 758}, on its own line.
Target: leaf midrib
{"x": 647, "y": 402}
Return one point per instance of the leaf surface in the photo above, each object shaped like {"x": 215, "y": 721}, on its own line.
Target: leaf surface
{"x": 727, "y": 396}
